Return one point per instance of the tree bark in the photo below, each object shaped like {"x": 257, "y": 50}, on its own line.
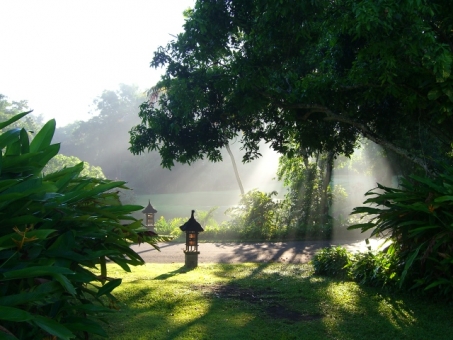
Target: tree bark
{"x": 236, "y": 173}
{"x": 324, "y": 204}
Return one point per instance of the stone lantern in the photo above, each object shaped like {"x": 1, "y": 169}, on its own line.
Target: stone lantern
{"x": 191, "y": 228}
{"x": 149, "y": 212}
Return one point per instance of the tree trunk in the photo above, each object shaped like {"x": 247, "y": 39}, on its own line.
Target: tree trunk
{"x": 236, "y": 173}
{"x": 324, "y": 204}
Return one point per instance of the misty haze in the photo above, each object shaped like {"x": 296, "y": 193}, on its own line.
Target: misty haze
{"x": 241, "y": 169}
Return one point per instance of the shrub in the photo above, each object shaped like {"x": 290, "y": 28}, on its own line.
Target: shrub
{"x": 56, "y": 234}
{"x": 171, "y": 227}
{"x": 332, "y": 261}
{"x": 418, "y": 219}
{"x": 256, "y": 216}
{"x": 373, "y": 269}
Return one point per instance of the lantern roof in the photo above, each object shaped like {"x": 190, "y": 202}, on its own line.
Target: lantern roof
{"x": 191, "y": 224}
{"x": 149, "y": 209}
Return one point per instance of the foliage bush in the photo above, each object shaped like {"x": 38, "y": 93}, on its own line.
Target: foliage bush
{"x": 170, "y": 228}
{"x": 57, "y": 232}
{"x": 369, "y": 268}
{"x": 418, "y": 220}
{"x": 332, "y": 261}
{"x": 256, "y": 216}
{"x": 373, "y": 269}
{"x": 212, "y": 230}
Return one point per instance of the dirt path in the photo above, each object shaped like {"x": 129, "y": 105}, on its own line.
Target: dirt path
{"x": 291, "y": 252}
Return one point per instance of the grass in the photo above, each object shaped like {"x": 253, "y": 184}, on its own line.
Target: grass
{"x": 264, "y": 301}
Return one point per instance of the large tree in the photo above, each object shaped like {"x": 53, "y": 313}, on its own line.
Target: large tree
{"x": 322, "y": 73}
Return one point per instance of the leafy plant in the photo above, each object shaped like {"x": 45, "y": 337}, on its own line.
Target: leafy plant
{"x": 367, "y": 268}
{"x": 171, "y": 227}
{"x": 256, "y": 216}
{"x": 373, "y": 269}
{"x": 418, "y": 219}
{"x": 56, "y": 232}
{"x": 332, "y": 261}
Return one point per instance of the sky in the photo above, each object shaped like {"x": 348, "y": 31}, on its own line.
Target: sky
{"x": 60, "y": 55}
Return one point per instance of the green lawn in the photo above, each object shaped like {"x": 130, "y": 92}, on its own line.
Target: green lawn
{"x": 264, "y": 301}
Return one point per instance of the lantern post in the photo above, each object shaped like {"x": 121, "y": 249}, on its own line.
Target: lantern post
{"x": 149, "y": 212}
{"x": 191, "y": 228}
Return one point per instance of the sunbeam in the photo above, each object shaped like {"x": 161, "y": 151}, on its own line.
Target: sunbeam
{"x": 351, "y": 179}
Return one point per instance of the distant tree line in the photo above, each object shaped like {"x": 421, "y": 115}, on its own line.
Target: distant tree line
{"x": 103, "y": 141}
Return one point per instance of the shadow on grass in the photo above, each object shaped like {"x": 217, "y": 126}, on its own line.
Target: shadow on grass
{"x": 278, "y": 301}
{"x": 178, "y": 271}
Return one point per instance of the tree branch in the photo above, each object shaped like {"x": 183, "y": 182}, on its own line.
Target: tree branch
{"x": 363, "y": 129}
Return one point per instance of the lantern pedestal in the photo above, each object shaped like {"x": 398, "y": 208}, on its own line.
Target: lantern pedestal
{"x": 191, "y": 259}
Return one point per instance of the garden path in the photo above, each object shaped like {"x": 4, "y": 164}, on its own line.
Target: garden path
{"x": 290, "y": 252}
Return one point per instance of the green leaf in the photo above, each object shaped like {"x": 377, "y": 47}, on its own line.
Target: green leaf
{"x": 412, "y": 232}
{"x": 9, "y": 137}
{"x": 443, "y": 199}
{"x": 41, "y": 292}
{"x": 53, "y": 327}
{"x": 78, "y": 196}
{"x": 5, "y": 184}
{"x": 44, "y": 137}
{"x": 24, "y": 141}
{"x": 63, "y": 280}
{"x": 6, "y": 241}
{"x": 438, "y": 283}
{"x": 108, "y": 287}
{"x": 85, "y": 325}
{"x": 14, "y": 119}
{"x": 89, "y": 308}
{"x": 36, "y": 271}
{"x": 434, "y": 94}
{"x": 14, "y": 314}
{"x": 409, "y": 262}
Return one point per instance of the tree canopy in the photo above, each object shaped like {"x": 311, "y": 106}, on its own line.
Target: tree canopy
{"x": 9, "y": 109}
{"x": 320, "y": 73}
{"x": 60, "y": 162}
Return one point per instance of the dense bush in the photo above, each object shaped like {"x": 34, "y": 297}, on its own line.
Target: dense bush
{"x": 256, "y": 216}
{"x": 332, "y": 261}
{"x": 170, "y": 228}
{"x": 212, "y": 230}
{"x": 418, "y": 220}
{"x": 373, "y": 269}
{"x": 57, "y": 231}
{"x": 367, "y": 268}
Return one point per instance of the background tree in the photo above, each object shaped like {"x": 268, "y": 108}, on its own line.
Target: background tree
{"x": 310, "y": 193}
{"x": 103, "y": 141}
{"x": 320, "y": 73}
{"x": 60, "y": 162}
{"x": 9, "y": 109}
